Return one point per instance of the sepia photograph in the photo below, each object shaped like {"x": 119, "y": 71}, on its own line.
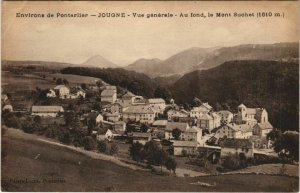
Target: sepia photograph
{"x": 150, "y": 96}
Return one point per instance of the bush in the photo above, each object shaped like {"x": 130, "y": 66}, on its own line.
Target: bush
{"x": 102, "y": 147}
{"x": 89, "y": 143}
{"x": 113, "y": 149}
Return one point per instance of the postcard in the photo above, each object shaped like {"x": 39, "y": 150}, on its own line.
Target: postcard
{"x": 150, "y": 96}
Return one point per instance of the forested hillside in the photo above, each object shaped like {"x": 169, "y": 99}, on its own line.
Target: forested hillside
{"x": 138, "y": 83}
{"x": 269, "y": 84}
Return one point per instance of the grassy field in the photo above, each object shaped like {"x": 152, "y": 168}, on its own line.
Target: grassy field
{"x": 13, "y": 82}
{"x": 52, "y": 168}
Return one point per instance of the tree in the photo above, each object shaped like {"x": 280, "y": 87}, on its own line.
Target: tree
{"x": 113, "y": 149}
{"x": 160, "y": 135}
{"x": 154, "y": 154}
{"x": 102, "y": 147}
{"x": 99, "y": 83}
{"x": 218, "y": 106}
{"x": 84, "y": 86}
{"x": 59, "y": 81}
{"x": 65, "y": 81}
{"x": 37, "y": 119}
{"x": 171, "y": 164}
{"x": 10, "y": 120}
{"x": 176, "y": 133}
{"x": 144, "y": 128}
{"x": 286, "y": 144}
{"x": 196, "y": 102}
{"x": 89, "y": 143}
{"x": 136, "y": 151}
{"x": 161, "y": 92}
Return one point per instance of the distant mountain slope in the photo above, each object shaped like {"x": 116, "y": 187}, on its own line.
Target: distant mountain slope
{"x": 269, "y": 84}
{"x": 166, "y": 81}
{"x": 142, "y": 65}
{"x": 205, "y": 58}
{"x": 99, "y": 62}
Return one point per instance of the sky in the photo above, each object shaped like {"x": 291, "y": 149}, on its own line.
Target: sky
{"x": 124, "y": 40}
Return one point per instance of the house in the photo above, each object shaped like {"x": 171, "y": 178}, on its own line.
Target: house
{"x": 4, "y": 98}
{"x": 192, "y": 121}
{"x": 142, "y": 138}
{"x": 97, "y": 117}
{"x": 157, "y": 103}
{"x": 175, "y": 125}
{"x": 160, "y": 124}
{"x": 120, "y": 126}
{"x": 192, "y": 134}
{"x": 51, "y": 93}
{"x": 182, "y": 148}
{"x": 42, "y": 111}
{"x": 110, "y": 87}
{"x": 118, "y": 107}
{"x": 173, "y": 113}
{"x": 77, "y": 92}
{"x": 62, "y": 91}
{"x": 112, "y": 117}
{"x": 251, "y": 116}
{"x": 127, "y": 98}
{"x": 104, "y": 134}
{"x": 138, "y": 100}
{"x": 216, "y": 120}
{"x": 262, "y": 129}
{"x": 109, "y": 95}
{"x": 204, "y": 108}
{"x": 205, "y": 121}
{"x": 233, "y": 130}
{"x": 237, "y": 147}
{"x": 139, "y": 113}
{"x": 226, "y": 116}
{"x": 7, "y": 108}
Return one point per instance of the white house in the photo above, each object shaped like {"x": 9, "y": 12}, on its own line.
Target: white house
{"x": 142, "y": 138}
{"x": 232, "y": 130}
{"x": 184, "y": 147}
{"x": 127, "y": 98}
{"x": 157, "y": 103}
{"x": 204, "y": 108}
{"x": 109, "y": 95}
{"x": 43, "y": 111}
{"x": 175, "y": 125}
{"x": 262, "y": 129}
{"x": 226, "y": 116}
{"x": 104, "y": 134}
{"x": 7, "y": 108}
{"x": 172, "y": 113}
{"x": 62, "y": 91}
{"x": 51, "y": 93}
{"x": 141, "y": 113}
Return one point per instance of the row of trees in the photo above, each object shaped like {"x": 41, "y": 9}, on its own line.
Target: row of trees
{"x": 153, "y": 154}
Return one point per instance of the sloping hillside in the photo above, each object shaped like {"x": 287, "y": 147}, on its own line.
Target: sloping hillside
{"x": 205, "y": 58}
{"x": 270, "y": 84}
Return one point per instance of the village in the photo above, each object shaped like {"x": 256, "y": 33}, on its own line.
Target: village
{"x": 99, "y": 118}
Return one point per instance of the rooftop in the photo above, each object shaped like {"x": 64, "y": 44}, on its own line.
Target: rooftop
{"x": 156, "y": 100}
{"x": 108, "y": 92}
{"x": 178, "y": 125}
{"x": 184, "y": 143}
{"x": 139, "y": 109}
{"x": 41, "y": 109}
{"x": 236, "y": 143}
